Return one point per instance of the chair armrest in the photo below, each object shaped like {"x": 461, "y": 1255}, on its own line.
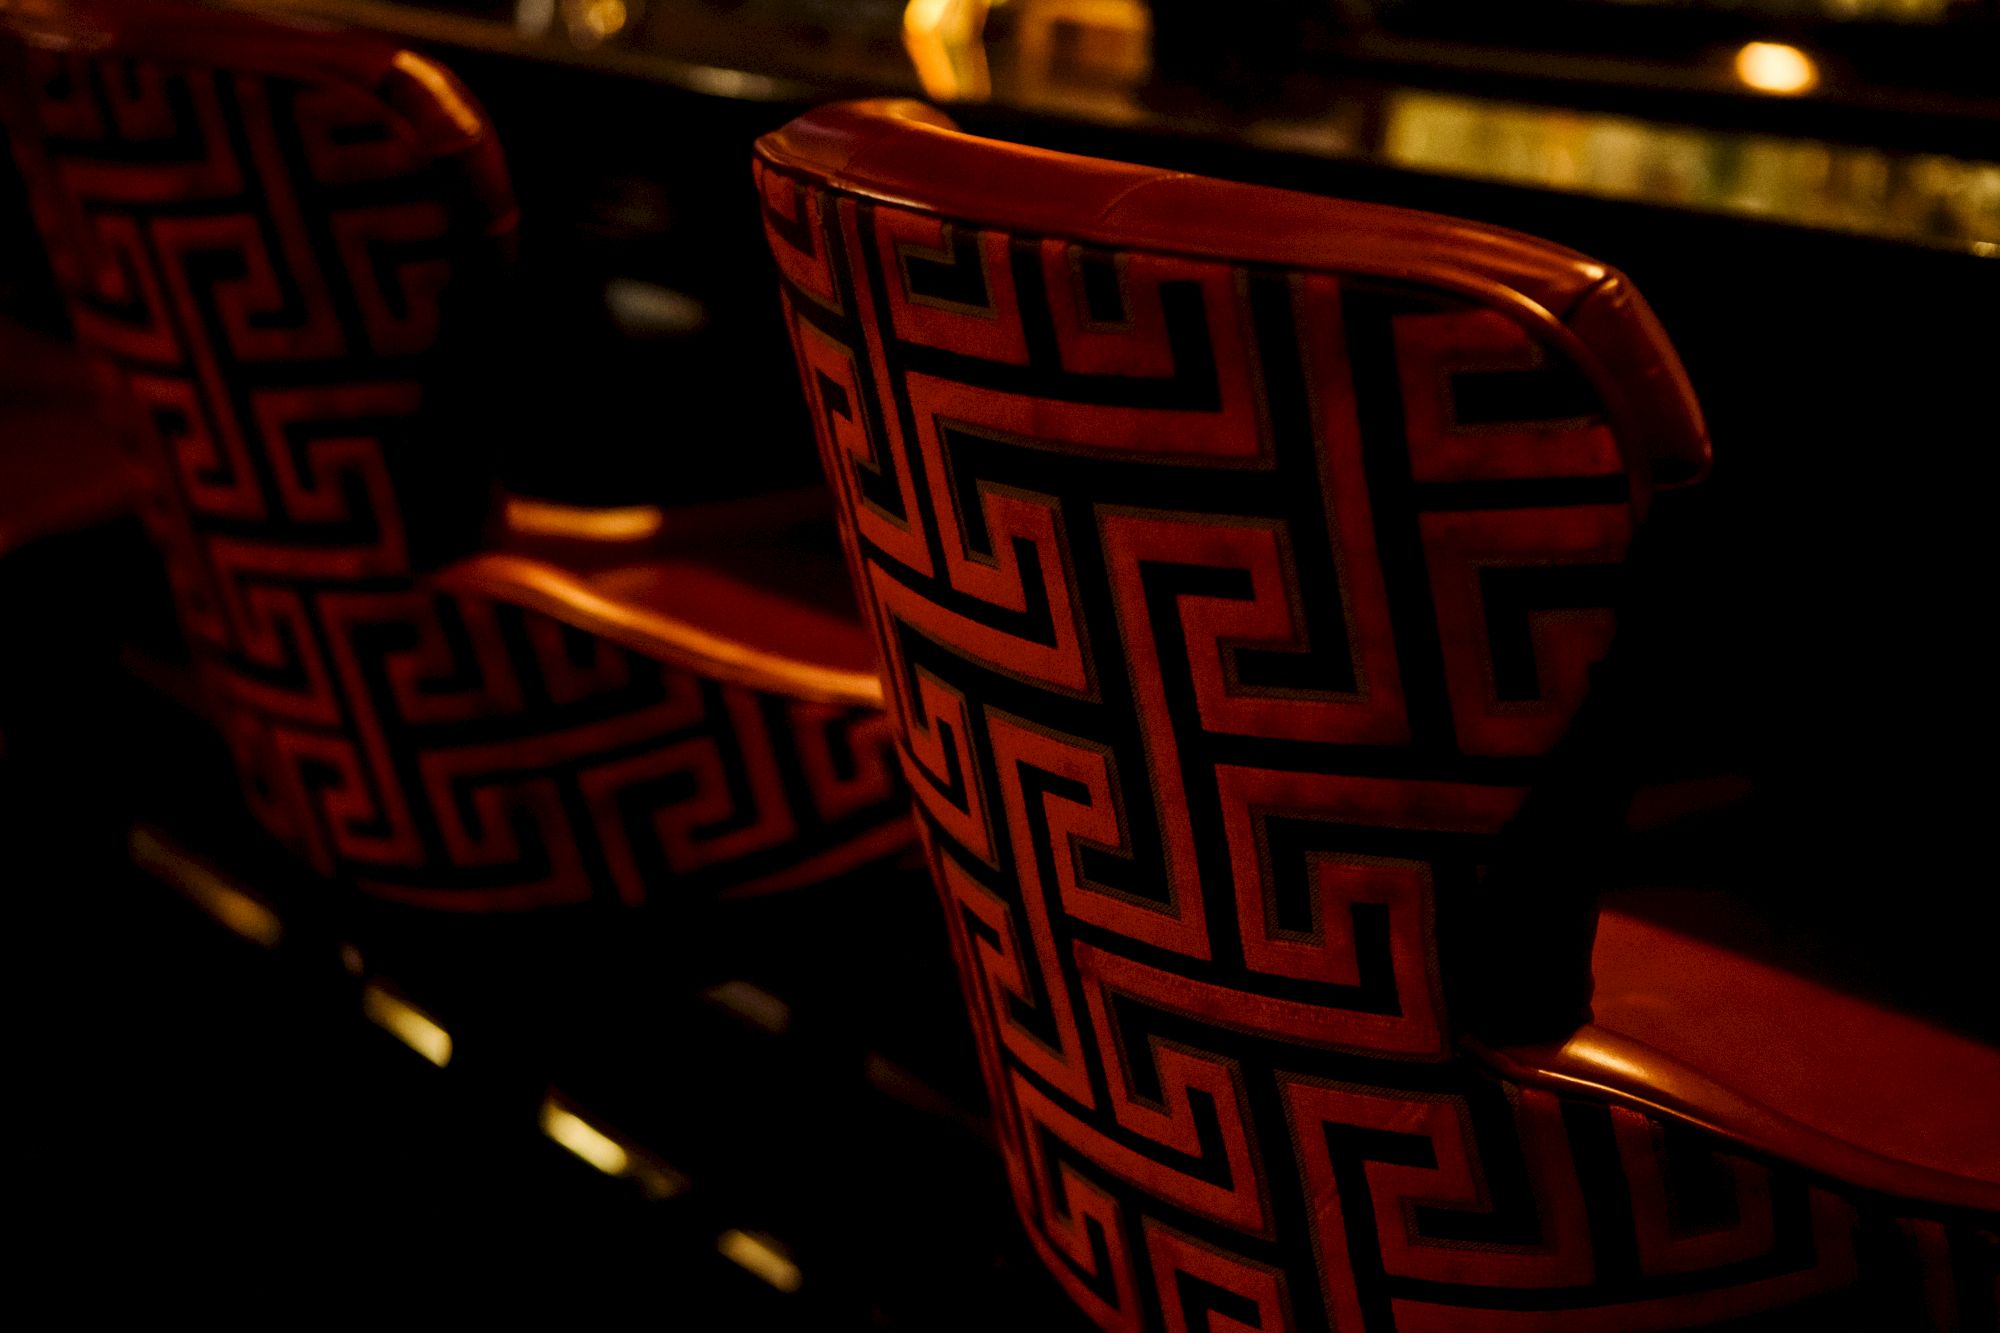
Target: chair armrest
{"x": 704, "y": 616}
{"x": 1780, "y": 1063}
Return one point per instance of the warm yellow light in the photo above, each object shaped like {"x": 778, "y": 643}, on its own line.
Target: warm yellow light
{"x": 655, "y": 1178}
{"x": 406, "y": 1023}
{"x": 762, "y": 1256}
{"x": 234, "y": 908}
{"x": 604, "y": 18}
{"x": 618, "y": 523}
{"x": 584, "y": 1139}
{"x": 946, "y": 40}
{"x": 1773, "y": 67}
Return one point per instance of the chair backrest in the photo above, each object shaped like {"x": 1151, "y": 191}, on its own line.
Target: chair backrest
{"x": 283, "y": 236}
{"x": 1237, "y": 558}
{"x": 286, "y": 245}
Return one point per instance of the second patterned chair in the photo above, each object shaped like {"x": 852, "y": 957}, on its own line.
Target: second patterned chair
{"x": 284, "y": 245}
{"x": 1238, "y": 560}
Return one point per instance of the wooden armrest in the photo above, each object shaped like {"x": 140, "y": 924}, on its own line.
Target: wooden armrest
{"x": 1781, "y": 1064}
{"x": 795, "y": 633}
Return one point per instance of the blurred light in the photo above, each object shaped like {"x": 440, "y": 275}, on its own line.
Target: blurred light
{"x": 1773, "y": 67}
{"x": 542, "y": 518}
{"x": 352, "y": 961}
{"x": 753, "y": 1004}
{"x": 719, "y": 82}
{"x": 946, "y": 42}
{"x": 584, "y": 1139}
{"x": 594, "y": 1145}
{"x": 605, "y": 18}
{"x": 234, "y": 908}
{"x": 648, "y": 310}
{"x": 762, "y": 1256}
{"x": 592, "y": 21}
{"x": 534, "y": 18}
{"x": 406, "y": 1023}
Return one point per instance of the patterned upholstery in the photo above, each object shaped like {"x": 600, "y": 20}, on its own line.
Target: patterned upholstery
{"x": 1230, "y": 604}
{"x": 283, "y": 244}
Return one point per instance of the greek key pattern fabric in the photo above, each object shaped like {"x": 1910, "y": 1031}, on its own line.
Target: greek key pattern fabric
{"x": 1228, "y": 614}
{"x": 272, "y": 267}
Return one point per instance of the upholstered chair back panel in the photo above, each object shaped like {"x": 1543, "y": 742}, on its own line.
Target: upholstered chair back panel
{"x": 1237, "y": 560}
{"x": 1300, "y": 573}
{"x": 286, "y": 248}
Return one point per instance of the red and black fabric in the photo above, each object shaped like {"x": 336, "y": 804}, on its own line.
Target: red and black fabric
{"x": 1237, "y": 559}
{"x": 283, "y": 243}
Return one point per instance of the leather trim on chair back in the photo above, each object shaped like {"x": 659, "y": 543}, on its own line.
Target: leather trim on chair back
{"x": 899, "y": 151}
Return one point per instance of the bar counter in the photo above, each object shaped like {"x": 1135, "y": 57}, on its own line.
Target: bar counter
{"x": 1901, "y": 166}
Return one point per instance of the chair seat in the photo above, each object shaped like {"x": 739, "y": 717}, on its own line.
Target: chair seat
{"x": 754, "y": 592}
{"x": 1781, "y": 1063}
{"x": 61, "y": 468}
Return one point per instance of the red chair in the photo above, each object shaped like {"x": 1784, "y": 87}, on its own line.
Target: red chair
{"x": 285, "y": 244}
{"x": 1237, "y": 560}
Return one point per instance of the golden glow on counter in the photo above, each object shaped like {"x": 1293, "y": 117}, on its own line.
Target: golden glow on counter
{"x": 1773, "y": 67}
{"x": 406, "y": 1023}
{"x": 1906, "y": 196}
{"x": 234, "y": 908}
{"x": 1087, "y": 61}
{"x": 762, "y": 1256}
